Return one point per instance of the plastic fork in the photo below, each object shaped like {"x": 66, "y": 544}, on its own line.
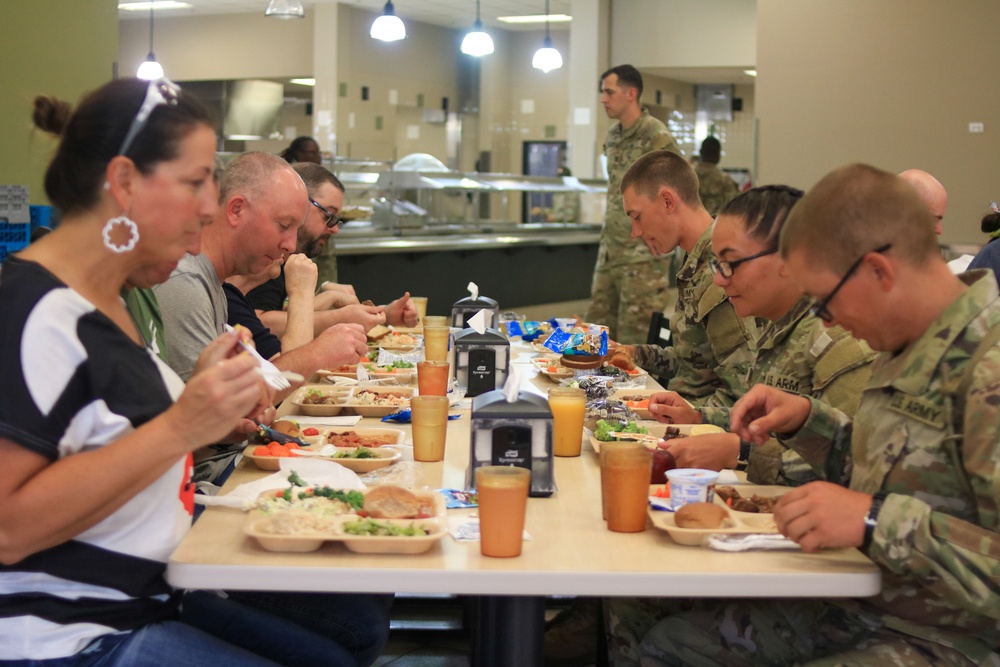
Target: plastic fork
{"x": 272, "y": 375}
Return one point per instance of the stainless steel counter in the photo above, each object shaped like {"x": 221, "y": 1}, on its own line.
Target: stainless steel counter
{"x": 361, "y": 238}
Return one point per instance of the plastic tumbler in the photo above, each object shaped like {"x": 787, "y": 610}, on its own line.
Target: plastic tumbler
{"x": 432, "y": 378}
{"x": 568, "y": 405}
{"x": 436, "y": 343}
{"x": 429, "y": 421}
{"x": 626, "y": 478}
{"x": 435, "y": 321}
{"x": 503, "y": 500}
{"x": 605, "y": 448}
{"x": 421, "y": 304}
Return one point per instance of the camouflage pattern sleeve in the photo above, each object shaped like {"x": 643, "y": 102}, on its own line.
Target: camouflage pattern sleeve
{"x": 717, "y": 415}
{"x": 824, "y": 442}
{"x": 953, "y": 558}
{"x": 656, "y": 360}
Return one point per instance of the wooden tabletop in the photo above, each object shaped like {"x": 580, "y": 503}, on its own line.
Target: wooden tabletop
{"x": 571, "y": 551}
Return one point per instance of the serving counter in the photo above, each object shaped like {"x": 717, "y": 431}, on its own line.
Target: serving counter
{"x": 570, "y": 552}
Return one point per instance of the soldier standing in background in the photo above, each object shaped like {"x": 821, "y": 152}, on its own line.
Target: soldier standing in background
{"x": 912, "y": 478}
{"x": 714, "y": 187}
{"x": 629, "y": 283}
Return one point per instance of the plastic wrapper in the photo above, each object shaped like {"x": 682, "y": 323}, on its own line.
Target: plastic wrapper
{"x": 613, "y": 376}
{"x": 752, "y": 542}
{"x": 609, "y": 411}
{"x": 529, "y": 330}
{"x": 403, "y": 416}
{"x": 407, "y": 474}
{"x": 387, "y": 357}
{"x": 595, "y": 386}
{"x": 589, "y": 344}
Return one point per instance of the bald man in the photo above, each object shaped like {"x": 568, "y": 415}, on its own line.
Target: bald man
{"x": 931, "y": 191}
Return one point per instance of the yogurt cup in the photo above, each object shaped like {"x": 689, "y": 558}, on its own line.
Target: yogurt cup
{"x": 691, "y": 485}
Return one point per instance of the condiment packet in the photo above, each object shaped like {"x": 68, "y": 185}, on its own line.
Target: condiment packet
{"x": 467, "y": 530}
{"x": 457, "y": 499}
{"x": 753, "y": 542}
{"x": 403, "y": 416}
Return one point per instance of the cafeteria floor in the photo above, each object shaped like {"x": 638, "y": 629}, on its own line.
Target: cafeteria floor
{"x": 429, "y": 632}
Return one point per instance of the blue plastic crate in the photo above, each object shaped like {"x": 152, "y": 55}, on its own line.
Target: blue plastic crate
{"x": 13, "y": 237}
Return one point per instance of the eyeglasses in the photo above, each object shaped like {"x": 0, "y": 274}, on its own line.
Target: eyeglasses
{"x": 332, "y": 221}
{"x": 159, "y": 91}
{"x": 727, "y": 269}
{"x": 819, "y": 309}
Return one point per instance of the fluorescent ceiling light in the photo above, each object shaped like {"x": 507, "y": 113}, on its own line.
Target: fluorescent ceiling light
{"x": 750, "y": 72}
{"x": 536, "y": 18}
{"x": 304, "y": 82}
{"x": 156, "y": 4}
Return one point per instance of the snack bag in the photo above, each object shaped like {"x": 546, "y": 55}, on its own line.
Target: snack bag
{"x": 591, "y": 344}
{"x": 558, "y": 340}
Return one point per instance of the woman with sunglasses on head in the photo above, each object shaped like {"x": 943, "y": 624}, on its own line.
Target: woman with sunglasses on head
{"x": 795, "y": 352}
{"x": 96, "y": 433}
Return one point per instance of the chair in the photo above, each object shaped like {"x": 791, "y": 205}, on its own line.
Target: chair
{"x": 659, "y": 330}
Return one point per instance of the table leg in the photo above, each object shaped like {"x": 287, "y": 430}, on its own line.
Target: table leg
{"x": 508, "y": 631}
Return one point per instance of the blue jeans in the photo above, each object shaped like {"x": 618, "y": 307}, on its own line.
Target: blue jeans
{"x": 336, "y": 629}
{"x": 167, "y": 643}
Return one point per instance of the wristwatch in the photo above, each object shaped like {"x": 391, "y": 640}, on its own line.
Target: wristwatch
{"x": 871, "y": 518}
{"x": 744, "y": 456}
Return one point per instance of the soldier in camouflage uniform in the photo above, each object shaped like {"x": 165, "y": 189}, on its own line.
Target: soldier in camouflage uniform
{"x": 629, "y": 281}
{"x": 714, "y": 187}
{"x": 712, "y": 347}
{"x": 913, "y": 478}
{"x": 795, "y": 352}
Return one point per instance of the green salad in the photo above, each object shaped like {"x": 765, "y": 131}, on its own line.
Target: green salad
{"x": 359, "y": 453}
{"x": 605, "y": 429}
{"x": 382, "y": 529}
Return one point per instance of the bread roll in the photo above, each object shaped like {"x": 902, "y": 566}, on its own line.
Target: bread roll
{"x": 391, "y": 502}
{"x": 700, "y": 515}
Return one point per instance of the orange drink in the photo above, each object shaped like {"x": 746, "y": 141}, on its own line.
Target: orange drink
{"x": 626, "y": 482}
{"x": 436, "y": 343}
{"x": 503, "y": 500}
{"x": 429, "y": 421}
{"x": 605, "y": 447}
{"x": 568, "y": 405}
{"x": 432, "y": 378}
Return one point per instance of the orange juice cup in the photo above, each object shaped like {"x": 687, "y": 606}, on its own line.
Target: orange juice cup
{"x": 432, "y": 378}
{"x": 503, "y": 500}
{"x": 605, "y": 448}
{"x": 429, "y": 421}
{"x": 568, "y": 405}
{"x": 626, "y": 480}
{"x": 436, "y": 343}
{"x": 421, "y": 303}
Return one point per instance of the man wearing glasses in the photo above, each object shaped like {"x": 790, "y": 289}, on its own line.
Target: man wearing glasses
{"x": 333, "y": 306}
{"x": 912, "y": 478}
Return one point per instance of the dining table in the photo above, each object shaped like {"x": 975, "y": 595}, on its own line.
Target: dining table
{"x": 568, "y": 551}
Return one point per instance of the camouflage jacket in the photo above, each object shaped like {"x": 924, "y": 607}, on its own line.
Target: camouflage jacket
{"x": 623, "y": 147}
{"x": 712, "y": 348}
{"x": 937, "y": 455}
{"x": 714, "y": 187}
{"x": 799, "y": 355}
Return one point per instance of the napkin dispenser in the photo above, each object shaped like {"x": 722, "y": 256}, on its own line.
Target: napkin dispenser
{"x": 481, "y": 360}
{"x": 517, "y": 433}
{"x": 463, "y": 310}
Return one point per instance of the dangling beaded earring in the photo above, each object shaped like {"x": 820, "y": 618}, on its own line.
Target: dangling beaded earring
{"x": 114, "y": 226}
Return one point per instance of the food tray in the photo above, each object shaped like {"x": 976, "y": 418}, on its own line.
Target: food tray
{"x": 642, "y": 394}
{"x": 741, "y": 523}
{"x": 654, "y": 428}
{"x": 336, "y": 378}
{"x": 394, "y": 342}
{"x": 437, "y": 526}
{"x": 384, "y": 456}
{"x": 399, "y": 437}
{"x": 748, "y": 490}
{"x": 319, "y": 410}
{"x": 378, "y": 410}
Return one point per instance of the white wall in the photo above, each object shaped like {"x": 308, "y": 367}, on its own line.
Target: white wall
{"x": 684, "y": 33}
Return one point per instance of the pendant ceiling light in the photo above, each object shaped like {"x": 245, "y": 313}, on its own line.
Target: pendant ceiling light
{"x": 285, "y": 9}
{"x": 547, "y": 58}
{"x": 388, "y": 27}
{"x": 150, "y": 69}
{"x": 478, "y": 42}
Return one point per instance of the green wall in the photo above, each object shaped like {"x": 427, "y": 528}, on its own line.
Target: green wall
{"x": 49, "y": 47}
